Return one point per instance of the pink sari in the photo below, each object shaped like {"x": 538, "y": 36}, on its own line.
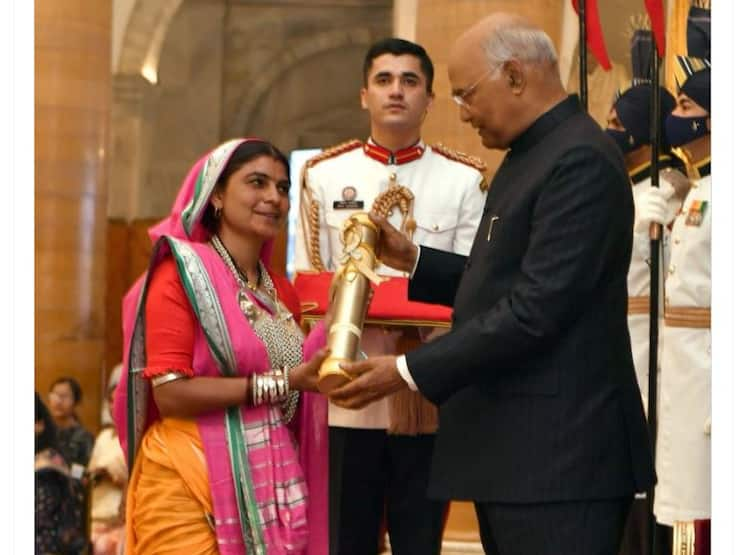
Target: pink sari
{"x": 283, "y": 466}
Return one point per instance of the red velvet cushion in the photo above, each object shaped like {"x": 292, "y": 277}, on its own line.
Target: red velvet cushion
{"x": 389, "y": 303}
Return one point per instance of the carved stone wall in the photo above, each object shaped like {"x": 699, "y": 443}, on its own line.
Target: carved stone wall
{"x": 308, "y": 93}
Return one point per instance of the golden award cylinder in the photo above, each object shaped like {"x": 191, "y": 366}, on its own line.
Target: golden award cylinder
{"x": 351, "y": 297}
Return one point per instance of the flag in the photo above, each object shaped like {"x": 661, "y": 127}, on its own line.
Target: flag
{"x": 594, "y": 32}
{"x": 657, "y": 24}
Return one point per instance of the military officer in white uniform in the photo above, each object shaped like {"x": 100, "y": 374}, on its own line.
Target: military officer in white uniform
{"x": 683, "y": 453}
{"x": 628, "y": 123}
{"x": 372, "y": 469}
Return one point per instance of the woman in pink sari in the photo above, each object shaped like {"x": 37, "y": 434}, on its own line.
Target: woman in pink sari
{"x": 225, "y": 437}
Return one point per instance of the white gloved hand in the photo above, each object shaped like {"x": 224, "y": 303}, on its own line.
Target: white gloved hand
{"x": 653, "y": 206}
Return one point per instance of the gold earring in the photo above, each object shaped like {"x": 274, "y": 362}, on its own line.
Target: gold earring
{"x": 218, "y": 210}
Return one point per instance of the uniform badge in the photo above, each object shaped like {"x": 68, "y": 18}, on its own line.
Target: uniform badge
{"x": 349, "y": 202}
{"x": 696, "y": 212}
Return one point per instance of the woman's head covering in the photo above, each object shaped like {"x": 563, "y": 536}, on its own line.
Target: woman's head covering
{"x": 185, "y": 218}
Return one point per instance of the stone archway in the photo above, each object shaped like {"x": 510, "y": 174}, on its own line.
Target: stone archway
{"x": 144, "y": 34}
{"x": 330, "y": 41}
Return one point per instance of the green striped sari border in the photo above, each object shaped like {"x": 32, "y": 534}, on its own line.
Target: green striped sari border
{"x": 219, "y": 341}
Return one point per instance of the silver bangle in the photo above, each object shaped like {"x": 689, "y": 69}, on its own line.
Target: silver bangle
{"x": 257, "y": 391}
{"x": 162, "y": 379}
{"x": 286, "y": 383}
{"x": 270, "y": 388}
{"x": 265, "y": 388}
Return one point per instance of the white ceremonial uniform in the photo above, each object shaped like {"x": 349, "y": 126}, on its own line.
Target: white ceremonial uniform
{"x": 448, "y": 203}
{"x": 684, "y": 408}
{"x": 638, "y": 287}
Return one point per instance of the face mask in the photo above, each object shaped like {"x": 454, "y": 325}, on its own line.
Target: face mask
{"x": 623, "y": 139}
{"x": 680, "y": 131}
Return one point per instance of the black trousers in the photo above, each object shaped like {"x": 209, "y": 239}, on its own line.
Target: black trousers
{"x": 635, "y": 541}
{"x": 568, "y": 528}
{"x": 372, "y": 472}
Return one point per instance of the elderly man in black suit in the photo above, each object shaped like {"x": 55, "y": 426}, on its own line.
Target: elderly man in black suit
{"x": 541, "y": 421}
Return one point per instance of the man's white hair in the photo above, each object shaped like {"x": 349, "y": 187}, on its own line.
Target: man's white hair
{"x": 515, "y": 40}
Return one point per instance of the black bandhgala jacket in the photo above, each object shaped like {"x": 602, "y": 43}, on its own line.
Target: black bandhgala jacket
{"x": 535, "y": 382}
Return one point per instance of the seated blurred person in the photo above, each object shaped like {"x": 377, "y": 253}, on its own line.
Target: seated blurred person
{"x": 58, "y": 527}
{"x": 75, "y": 441}
{"x": 108, "y": 476}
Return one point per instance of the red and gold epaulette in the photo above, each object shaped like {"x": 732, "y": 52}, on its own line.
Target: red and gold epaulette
{"x": 458, "y": 156}
{"x": 334, "y": 151}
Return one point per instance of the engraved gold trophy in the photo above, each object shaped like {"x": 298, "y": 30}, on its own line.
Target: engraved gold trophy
{"x": 350, "y": 293}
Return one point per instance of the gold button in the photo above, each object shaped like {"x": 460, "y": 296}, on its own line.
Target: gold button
{"x": 677, "y": 241}
{"x": 435, "y": 227}
{"x": 671, "y": 269}
{"x": 392, "y": 176}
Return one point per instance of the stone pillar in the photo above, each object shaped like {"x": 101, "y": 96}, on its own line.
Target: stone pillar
{"x": 132, "y": 121}
{"x": 131, "y": 132}
{"x": 72, "y": 99}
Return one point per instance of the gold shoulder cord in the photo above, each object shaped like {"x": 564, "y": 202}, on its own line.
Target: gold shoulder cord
{"x": 309, "y": 212}
{"x": 686, "y": 157}
{"x": 401, "y": 197}
{"x": 309, "y": 209}
{"x": 467, "y": 159}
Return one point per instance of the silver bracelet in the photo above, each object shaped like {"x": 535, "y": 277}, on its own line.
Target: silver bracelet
{"x": 270, "y": 388}
{"x": 265, "y": 388}
{"x": 162, "y": 379}
{"x": 257, "y": 391}
{"x": 286, "y": 372}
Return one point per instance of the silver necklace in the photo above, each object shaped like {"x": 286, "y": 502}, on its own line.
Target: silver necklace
{"x": 219, "y": 247}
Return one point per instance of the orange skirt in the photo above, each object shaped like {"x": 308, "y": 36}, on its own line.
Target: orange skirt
{"x": 169, "y": 504}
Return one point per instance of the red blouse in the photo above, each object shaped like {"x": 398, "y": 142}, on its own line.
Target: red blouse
{"x": 170, "y": 322}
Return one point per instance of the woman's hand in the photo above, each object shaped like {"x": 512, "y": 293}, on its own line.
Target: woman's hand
{"x": 304, "y": 377}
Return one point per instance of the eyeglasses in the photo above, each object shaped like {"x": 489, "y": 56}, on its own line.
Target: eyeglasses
{"x": 459, "y": 98}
